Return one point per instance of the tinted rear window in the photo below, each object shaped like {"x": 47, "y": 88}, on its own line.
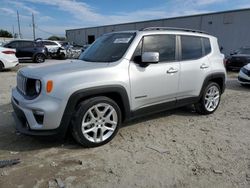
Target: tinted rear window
{"x": 25, "y": 44}
{"x": 207, "y": 45}
{"x": 191, "y": 47}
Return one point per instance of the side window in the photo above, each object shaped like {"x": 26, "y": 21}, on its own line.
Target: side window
{"x": 164, "y": 44}
{"x": 26, "y": 44}
{"x": 207, "y": 45}
{"x": 48, "y": 43}
{"x": 11, "y": 45}
{"x": 191, "y": 47}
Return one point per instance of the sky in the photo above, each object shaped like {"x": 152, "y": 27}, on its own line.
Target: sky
{"x": 53, "y": 17}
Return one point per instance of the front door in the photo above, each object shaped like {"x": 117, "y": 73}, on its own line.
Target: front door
{"x": 155, "y": 83}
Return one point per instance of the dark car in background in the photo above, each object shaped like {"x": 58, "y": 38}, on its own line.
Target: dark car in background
{"x": 238, "y": 59}
{"x": 29, "y": 50}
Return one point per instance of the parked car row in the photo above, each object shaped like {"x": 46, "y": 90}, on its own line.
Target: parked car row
{"x": 29, "y": 50}
{"x": 238, "y": 59}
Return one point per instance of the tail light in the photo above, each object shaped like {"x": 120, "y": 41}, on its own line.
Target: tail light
{"x": 225, "y": 61}
{"x": 8, "y": 52}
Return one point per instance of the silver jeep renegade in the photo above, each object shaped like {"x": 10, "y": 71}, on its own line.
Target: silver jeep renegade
{"x": 121, "y": 76}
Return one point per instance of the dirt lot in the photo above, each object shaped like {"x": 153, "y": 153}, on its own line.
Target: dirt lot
{"x": 178, "y": 148}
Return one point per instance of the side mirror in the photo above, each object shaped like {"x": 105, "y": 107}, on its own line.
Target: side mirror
{"x": 150, "y": 57}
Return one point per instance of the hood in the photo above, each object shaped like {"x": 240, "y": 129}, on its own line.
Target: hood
{"x": 247, "y": 66}
{"x": 62, "y": 67}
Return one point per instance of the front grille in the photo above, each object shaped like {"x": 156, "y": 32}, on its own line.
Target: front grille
{"x": 21, "y": 83}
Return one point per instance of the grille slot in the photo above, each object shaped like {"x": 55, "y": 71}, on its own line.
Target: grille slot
{"x": 21, "y": 83}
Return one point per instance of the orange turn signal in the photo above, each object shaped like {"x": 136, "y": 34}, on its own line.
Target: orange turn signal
{"x": 49, "y": 86}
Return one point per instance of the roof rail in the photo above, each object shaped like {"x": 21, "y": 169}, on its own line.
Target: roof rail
{"x": 172, "y": 29}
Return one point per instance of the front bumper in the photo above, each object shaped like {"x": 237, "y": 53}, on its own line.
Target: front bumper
{"x": 26, "y": 121}
{"x": 23, "y": 127}
{"x": 243, "y": 78}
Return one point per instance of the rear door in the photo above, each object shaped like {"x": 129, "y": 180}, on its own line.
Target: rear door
{"x": 194, "y": 63}
{"x": 26, "y": 49}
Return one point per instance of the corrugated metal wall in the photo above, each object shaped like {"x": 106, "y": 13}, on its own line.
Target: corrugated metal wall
{"x": 232, "y": 28}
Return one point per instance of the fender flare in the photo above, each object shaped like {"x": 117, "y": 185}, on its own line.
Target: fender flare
{"x": 219, "y": 75}
{"x": 82, "y": 94}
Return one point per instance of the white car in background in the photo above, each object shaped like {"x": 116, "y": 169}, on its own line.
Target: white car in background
{"x": 244, "y": 75}
{"x": 55, "y": 48}
{"x": 8, "y": 58}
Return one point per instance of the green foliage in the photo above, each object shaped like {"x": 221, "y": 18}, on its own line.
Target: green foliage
{"x": 57, "y": 38}
{"x": 4, "y": 33}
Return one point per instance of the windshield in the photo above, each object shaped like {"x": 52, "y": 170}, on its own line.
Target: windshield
{"x": 244, "y": 51}
{"x": 108, "y": 48}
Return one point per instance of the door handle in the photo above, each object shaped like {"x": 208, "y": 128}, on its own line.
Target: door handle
{"x": 171, "y": 70}
{"x": 204, "y": 66}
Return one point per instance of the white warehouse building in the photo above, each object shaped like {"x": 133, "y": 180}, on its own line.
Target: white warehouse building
{"x": 232, "y": 28}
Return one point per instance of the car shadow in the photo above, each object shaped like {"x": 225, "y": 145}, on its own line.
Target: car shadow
{"x": 183, "y": 111}
{"x": 10, "y": 140}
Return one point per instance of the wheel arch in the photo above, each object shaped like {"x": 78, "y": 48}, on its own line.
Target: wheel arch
{"x": 2, "y": 64}
{"x": 218, "y": 78}
{"x": 115, "y": 92}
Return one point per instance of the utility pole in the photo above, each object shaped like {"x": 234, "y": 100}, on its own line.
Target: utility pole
{"x": 13, "y": 31}
{"x": 18, "y": 22}
{"x": 33, "y": 25}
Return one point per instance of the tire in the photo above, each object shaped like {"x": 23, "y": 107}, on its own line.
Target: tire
{"x": 1, "y": 66}
{"x": 210, "y": 99}
{"x": 39, "y": 58}
{"x": 102, "y": 119}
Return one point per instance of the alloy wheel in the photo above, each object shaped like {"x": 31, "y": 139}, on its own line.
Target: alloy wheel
{"x": 99, "y": 122}
{"x": 212, "y": 98}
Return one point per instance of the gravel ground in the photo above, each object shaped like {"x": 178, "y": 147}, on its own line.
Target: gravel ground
{"x": 178, "y": 148}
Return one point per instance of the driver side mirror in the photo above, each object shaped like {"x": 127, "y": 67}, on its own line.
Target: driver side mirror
{"x": 150, "y": 57}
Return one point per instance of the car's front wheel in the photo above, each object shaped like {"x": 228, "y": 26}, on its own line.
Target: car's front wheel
{"x": 96, "y": 121}
{"x": 210, "y": 99}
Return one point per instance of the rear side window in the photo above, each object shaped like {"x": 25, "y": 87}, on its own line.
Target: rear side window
{"x": 26, "y": 44}
{"x": 207, "y": 45}
{"x": 11, "y": 45}
{"x": 191, "y": 47}
{"x": 164, "y": 44}
{"x": 48, "y": 43}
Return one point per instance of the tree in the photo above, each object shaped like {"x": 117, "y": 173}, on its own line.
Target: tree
{"x": 56, "y": 38}
{"x": 4, "y": 33}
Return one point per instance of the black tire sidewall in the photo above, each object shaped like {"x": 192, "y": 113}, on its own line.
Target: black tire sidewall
{"x": 203, "y": 98}
{"x": 78, "y": 117}
{"x": 1, "y": 66}
{"x": 39, "y": 55}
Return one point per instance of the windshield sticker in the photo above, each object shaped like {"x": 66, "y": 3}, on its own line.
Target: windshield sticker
{"x": 122, "y": 40}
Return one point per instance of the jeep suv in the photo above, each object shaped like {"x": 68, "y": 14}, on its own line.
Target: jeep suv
{"x": 121, "y": 76}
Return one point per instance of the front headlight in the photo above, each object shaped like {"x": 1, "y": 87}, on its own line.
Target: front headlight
{"x": 38, "y": 86}
{"x": 244, "y": 70}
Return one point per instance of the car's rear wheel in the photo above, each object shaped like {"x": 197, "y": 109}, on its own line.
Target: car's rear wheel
{"x": 96, "y": 121}
{"x": 39, "y": 58}
{"x": 210, "y": 99}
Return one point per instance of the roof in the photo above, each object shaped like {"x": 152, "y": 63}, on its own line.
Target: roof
{"x": 195, "y": 15}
